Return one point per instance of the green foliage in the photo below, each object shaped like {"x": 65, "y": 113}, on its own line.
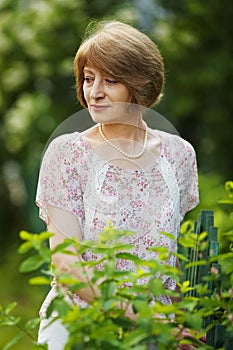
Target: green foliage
{"x": 7, "y": 319}
{"x": 197, "y": 97}
{"x": 105, "y": 323}
{"x": 227, "y": 202}
{"x": 226, "y": 237}
{"x": 37, "y": 242}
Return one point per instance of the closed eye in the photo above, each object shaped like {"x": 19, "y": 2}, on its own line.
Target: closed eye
{"x": 111, "y": 81}
{"x": 88, "y": 79}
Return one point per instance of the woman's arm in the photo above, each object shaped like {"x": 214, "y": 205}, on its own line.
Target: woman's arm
{"x": 64, "y": 224}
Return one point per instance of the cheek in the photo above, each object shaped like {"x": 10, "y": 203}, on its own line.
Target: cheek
{"x": 85, "y": 93}
{"x": 127, "y": 98}
{"x": 126, "y": 95}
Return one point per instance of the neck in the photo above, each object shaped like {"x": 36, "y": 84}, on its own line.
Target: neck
{"x": 125, "y": 130}
{"x": 120, "y": 150}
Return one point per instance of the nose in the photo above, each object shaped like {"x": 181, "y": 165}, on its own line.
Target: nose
{"x": 97, "y": 89}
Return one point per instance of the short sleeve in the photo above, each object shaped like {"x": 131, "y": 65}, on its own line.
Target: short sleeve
{"x": 56, "y": 177}
{"x": 188, "y": 179}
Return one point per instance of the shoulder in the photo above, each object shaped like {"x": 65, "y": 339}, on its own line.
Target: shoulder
{"x": 65, "y": 141}
{"x": 175, "y": 145}
{"x": 65, "y": 145}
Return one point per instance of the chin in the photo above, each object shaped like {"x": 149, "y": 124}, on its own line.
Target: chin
{"x": 106, "y": 118}
{"x": 98, "y": 118}
{"x": 101, "y": 117}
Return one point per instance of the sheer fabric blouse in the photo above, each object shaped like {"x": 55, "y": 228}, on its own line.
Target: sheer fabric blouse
{"x": 148, "y": 201}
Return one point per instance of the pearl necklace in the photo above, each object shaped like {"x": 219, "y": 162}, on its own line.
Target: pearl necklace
{"x": 119, "y": 149}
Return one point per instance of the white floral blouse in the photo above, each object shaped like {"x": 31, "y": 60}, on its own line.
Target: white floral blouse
{"x": 148, "y": 201}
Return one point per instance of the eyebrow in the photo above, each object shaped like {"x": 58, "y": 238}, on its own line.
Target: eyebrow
{"x": 88, "y": 70}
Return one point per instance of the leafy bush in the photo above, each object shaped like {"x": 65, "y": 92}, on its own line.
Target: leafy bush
{"x": 105, "y": 323}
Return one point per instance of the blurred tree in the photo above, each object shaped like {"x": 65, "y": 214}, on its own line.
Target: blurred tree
{"x": 195, "y": 38}
{"x": 37, "y": 44}
{"x": 38, "y": 40}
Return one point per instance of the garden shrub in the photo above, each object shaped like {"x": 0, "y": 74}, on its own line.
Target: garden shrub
{"x": 104, "y": 324}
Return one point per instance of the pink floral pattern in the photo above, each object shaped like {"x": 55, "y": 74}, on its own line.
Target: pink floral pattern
{"x": 146, "y": 201}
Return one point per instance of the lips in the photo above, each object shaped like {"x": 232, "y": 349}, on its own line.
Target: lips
{"x": 99, "y": 107}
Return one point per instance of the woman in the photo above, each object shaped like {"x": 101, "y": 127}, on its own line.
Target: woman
{"x": 143, "y": 180}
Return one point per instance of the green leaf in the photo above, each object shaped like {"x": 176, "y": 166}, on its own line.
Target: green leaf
{"x": 25, "y": 247}
{"x": 13, "y": 341}
{"x": 196, "y": 263}
{"x": 119, "y": 275}
{"x": 10, "y": 307}
{"x": 156, "y": 286}
{"x": 31, "y": 264}
{"x": 188, "y": 303}
{"x": 9, "y": 321}
{"x": 61, "y": 247}
{"x": 186, "y": 227}
{"x": 76, "y": 286}
{"x": 163, "y": 252}
{"x": 39, "y": 280}
{"x": 135, "y": 337}
{"x": 164, "y": 309}
{"x": 181, "y": 257}
{"x": 58, "y": 305}
{"x": 185, "y": 287}
{"x": 226, "y": 201}
{"x": 169, "y": 235}
{"x": 202, "y": 236}
{"x": 108, "y": 289}
{"x": 189, "y": 241}
{"x": 40, "y": 347}
{"x": 194, "y": 321}
{"x": 33, "y": 240}
{"x": 108, "y": 304}
{"x": 33, "y": 324}
{"x": 129, "y": 256}
{"x": 122, "y": 321}
{"x": 43, "y": 236}
{"x": 45, "y": 253}
{"x": 26, "y": 236}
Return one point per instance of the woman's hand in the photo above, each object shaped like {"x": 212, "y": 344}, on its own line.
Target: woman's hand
{"x": 185, "y": 333}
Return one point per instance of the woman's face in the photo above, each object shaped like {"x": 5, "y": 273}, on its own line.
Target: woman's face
{"x": 106, "y": 97}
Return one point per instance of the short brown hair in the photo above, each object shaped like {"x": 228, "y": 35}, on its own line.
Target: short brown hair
{"x": 130, "y": 56}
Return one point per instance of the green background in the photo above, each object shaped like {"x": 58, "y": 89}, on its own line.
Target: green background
{"x": 38, "y": 41}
